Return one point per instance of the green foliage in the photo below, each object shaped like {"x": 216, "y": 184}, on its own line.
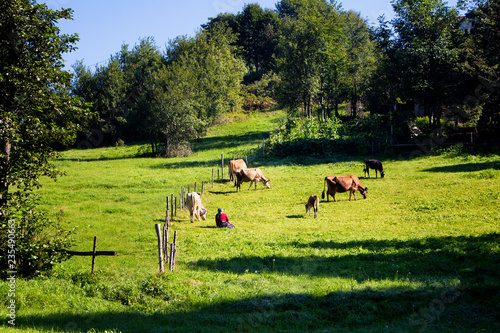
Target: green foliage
{"x": 256, "y": 33}
{"x": 303, "y": 137}
{"x": 38, "y": 242}
{"x": 258, "y": 94}
{"x": 422, "y": 54}
{"x": 37, "y": 114}
{"x": 480, "y": 51}
{"x": 308, "y": 46}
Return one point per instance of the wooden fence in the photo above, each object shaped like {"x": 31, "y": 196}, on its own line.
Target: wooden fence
{"x": 93, "y": 253}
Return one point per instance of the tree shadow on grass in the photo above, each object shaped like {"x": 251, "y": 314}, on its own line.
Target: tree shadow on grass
{"x": 433, "y": 303}
{"x": 466, "y": 167}
{"x": 228, "y": 141}
{"x": 469, "y": 259}
{"x": 388, "y": 310}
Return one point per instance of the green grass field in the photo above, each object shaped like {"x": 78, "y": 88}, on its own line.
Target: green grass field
{"x": 420, "y": 254}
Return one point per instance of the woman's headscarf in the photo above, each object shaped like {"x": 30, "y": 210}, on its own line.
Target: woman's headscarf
{"x": 219, "y": 210}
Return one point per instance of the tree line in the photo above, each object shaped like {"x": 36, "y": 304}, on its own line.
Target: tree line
{"x": 309, "y": 56}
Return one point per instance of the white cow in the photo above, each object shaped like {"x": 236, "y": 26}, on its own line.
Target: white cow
{"x": 193, "y": 203}
{"x": 253, "y": 175}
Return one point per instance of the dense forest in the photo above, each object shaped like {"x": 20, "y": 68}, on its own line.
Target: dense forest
{"x": 308, "y": 57}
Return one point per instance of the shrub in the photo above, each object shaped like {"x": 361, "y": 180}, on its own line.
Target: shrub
{"x": 308, "y": 136}
{"x": 37, "y": 243}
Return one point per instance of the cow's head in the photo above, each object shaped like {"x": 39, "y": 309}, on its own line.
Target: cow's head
{"x": 363, "y": 191}
{"x": 266, "y": 182}
{"x": 382, "y": 173}
{"x": 203, "y": 213}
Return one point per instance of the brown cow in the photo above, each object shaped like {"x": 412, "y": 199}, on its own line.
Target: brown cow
{"x": 234, "y": 166}
{"x": 196, "y": 209}
{"x": 312, "y": 202}
{"x": 374, "y": 164}
{"x": 343, "y": 184}
{"x": 251, "y": 175}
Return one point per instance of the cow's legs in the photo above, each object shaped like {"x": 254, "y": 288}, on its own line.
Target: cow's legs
{"x": 353, "y": 194}
{"x": 251, "y": 185}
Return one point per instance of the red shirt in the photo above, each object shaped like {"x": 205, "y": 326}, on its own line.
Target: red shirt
{"x": 222, "y": 218}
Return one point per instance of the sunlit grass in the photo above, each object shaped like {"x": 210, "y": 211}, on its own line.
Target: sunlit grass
{"x": 426, "y": 235}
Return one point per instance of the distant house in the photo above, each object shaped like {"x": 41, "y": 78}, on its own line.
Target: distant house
{"x": 465, "y": 25}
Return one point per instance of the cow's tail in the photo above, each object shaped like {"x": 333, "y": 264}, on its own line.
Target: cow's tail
{"x": 323, "y": 194}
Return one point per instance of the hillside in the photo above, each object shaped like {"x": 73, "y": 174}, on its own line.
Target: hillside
{"x": 421, "y": 253}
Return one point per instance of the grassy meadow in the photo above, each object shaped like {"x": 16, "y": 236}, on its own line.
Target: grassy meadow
{"x": 420, "y": 254}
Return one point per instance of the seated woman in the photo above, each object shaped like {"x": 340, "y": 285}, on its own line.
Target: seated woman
{"x": 222, "y": 221}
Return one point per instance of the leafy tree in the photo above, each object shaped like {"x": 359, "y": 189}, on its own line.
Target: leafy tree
{"x": 117, "y": 92}
{"x": 200, "y": 82}
{"x": 218, "y": 74}
{"x": 256, "y": 33}
{"x": 36, "y": 113}
{"x": 308, "y": 44}
{"x": 172, "y": 118}
{"x": 360, "y": 57}
{"x": 258, "y": 37}
{"x": 480, "y": 62}
{"x": 423, "y": 49}
{"x": 104, "y": 90}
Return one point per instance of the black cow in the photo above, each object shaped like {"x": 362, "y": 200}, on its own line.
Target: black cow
{"x": 374, "y": 164}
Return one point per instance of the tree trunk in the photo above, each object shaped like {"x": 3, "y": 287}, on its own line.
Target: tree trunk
{"x": 354, "y": 101}
{"x": 4, "y": 184}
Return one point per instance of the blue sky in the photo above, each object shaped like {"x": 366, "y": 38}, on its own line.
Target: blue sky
{"x": 105, "y": 25}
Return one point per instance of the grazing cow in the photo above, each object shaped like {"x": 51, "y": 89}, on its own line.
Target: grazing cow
{"x": 251, "y": 175}
{"x": 374, "y": 164}
{"x": 196, "y": 209}
{"x": 343, "y": 184}
{"x": 234, "y": 166}
{"x": 312, "y": 202}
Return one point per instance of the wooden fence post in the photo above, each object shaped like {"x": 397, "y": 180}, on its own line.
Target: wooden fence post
{"x": 222, "y": 165}
{"x": 172, "y": 257}
{"x": 160, "y": 247}
{"x": 166, "y": 229}
{"x": 182, "y": 197}
{"x": 172, "y": 207}
{"x": 167, "y": 214}
{"x": 94, "y": 253}
{"x": 173, "y": 252}
{"x": 202, "y": 187}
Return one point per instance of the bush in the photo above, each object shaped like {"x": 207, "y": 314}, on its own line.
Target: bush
{"x": 35, "y": 243}
{"x": 298, "y": 137}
